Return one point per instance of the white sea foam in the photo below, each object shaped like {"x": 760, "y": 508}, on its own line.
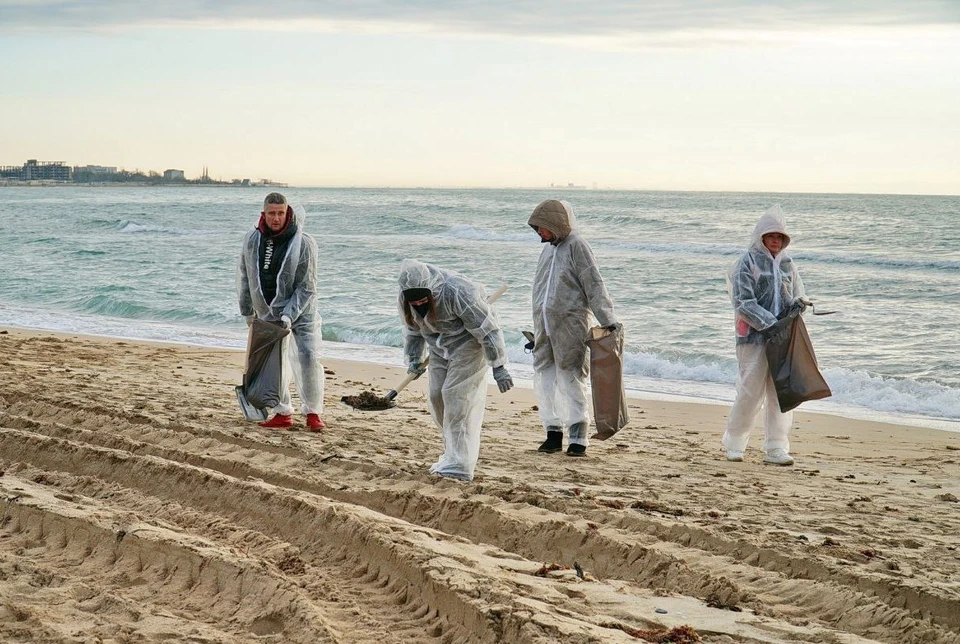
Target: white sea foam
{"x": 652, "y": 365}
{"x": 894, "y": 395}
{"x": 127, "y": 226}
{"x": 854, "y": 392}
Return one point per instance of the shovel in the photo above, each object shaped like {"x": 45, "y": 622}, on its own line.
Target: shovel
{"x": 369, "y": 401}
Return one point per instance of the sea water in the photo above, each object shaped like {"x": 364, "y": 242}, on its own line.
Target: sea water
{"x": 160, "y": 263}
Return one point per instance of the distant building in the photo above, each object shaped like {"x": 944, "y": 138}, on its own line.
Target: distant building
{"x": 46, "y": 171}
{"x": 34, "y": 170}
{"x": 267, "y": 183}
{"x": 95, "y": 169}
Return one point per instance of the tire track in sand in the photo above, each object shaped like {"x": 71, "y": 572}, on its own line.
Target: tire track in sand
{"x": 412, "y": 579}
{"x": 606, "y": 552}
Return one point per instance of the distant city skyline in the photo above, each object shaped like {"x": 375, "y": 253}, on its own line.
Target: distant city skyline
{"x": 846, "y": 97}
{"x": 59, "y": 172}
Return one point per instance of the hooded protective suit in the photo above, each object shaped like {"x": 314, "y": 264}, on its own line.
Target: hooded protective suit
{"x": 566, "y": 287}
{"x": 762, "y": 288}
{"x": 463, "y": 336}
{"x": 295, "y": 298}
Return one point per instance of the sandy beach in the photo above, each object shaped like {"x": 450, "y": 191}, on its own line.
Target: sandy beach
{"x": 139, "y": 506}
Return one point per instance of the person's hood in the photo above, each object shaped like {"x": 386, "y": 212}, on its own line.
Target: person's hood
{"x": 771, "y": 221}
{"x": 414, "y": 274}
{"x": 296, "y": 214}
{"x": 555, "y": 216}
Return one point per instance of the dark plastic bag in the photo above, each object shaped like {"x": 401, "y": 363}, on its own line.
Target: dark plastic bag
{"x": 263, "y": 376}
{"x": 606, "y": 382}
{"x": 792, "y": 363}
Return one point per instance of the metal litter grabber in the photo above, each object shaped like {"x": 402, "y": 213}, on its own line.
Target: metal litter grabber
{"x": 369, "y": 401}
{"x": 813, "y": 309}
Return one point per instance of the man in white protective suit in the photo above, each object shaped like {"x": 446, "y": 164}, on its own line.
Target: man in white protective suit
{"x": 277, "y": 282}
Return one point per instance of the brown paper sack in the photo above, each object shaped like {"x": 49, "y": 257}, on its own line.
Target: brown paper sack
{"x": 606, "y": 382}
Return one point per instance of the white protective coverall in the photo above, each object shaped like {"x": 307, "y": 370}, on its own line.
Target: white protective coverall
{"x": 762, "y": 288}
{"x": 566, "y": 287}
{"x": 463, "y": 336}
{"x": 296, "y": 299}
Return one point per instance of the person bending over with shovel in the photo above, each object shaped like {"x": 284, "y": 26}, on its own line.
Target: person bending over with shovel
{"x": 277, "y": 283}
{"x": 448, "y": 315}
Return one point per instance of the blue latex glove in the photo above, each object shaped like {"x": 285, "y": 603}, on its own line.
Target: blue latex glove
{"x": 504, "y": 381}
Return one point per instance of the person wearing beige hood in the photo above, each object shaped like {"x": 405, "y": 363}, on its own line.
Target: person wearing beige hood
{"x": 567, "y": 287}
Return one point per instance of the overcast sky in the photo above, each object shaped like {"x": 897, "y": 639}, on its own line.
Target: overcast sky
{"x": 682, "y": 95}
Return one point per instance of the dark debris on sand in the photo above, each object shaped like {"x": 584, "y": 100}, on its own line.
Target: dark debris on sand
{"x": 677, "y": 635}
{"x": 368, "y": 401}
{"x": 546, "y": 569}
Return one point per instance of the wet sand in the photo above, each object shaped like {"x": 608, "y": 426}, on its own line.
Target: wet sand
{"x": 138, "y": 505}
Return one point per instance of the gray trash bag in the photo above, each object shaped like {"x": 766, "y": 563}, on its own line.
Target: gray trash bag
{"x": 263, "y": 375}
{"x": 792, "y": 362}
{"x": 606, "y": 382}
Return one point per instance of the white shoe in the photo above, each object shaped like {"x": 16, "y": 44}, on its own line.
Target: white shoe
{"x": 735, "y": 455}
{"x": 778, "y": 456}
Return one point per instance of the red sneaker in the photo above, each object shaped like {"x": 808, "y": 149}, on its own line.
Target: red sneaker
{"x": 279, "y": 421}
{"x": 314, "y": 423}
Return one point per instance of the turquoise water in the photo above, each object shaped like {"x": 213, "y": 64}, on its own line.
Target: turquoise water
{"x": 159, "y": 263}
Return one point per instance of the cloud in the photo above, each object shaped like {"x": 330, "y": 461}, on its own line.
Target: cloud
{"x": 618, "y": 19}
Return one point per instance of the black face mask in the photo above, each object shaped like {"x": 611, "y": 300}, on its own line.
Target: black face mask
{"x": 414, "y": 294}
{"x": 421, "y": 309}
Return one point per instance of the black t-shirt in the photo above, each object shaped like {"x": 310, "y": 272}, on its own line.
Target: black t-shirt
{"x": 273, "y": 248}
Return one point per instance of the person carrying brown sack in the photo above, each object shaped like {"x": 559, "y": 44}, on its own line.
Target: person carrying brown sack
{"x": 567, "y": 287}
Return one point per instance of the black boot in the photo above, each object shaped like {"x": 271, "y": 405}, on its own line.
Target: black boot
{"x": 576, "y": 449}
{"x": 577, "y": 431}
{"x": 554, "y": 442}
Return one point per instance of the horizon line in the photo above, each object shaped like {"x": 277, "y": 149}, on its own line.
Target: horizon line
{"x": 289, "y": 186}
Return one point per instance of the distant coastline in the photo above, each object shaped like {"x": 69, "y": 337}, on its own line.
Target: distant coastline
{"x": 49, "y": 174}
{"x": 134, "y": 184}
